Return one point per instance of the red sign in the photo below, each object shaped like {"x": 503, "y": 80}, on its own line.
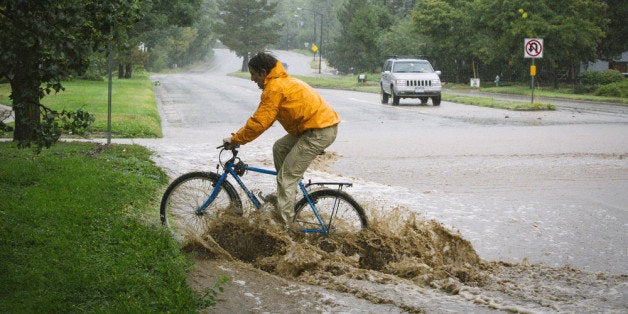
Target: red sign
{"x": 533, "y": 48}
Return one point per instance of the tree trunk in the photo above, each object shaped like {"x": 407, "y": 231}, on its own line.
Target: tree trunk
{"x": 245, "y": 63}
{"x": 128, "y": 71}
{"x": 120, "y": 71}
{"x": 25, "y": 95}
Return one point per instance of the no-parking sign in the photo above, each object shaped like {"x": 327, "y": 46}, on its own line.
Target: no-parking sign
{"x": 533, "y": 48}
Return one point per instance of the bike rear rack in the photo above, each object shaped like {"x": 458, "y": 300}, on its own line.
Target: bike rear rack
{"x": 339, "y": 184}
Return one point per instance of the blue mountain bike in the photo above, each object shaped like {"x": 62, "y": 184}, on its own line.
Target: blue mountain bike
{"x": 192, "y": 200}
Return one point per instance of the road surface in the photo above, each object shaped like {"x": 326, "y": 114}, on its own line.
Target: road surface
{"x": 544, "y": 188}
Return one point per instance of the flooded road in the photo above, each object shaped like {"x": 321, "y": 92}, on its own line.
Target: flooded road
{"x": 532, "y": 191}
{"x": 548, "y": 187}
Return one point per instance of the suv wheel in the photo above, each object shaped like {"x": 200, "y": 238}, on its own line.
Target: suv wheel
{"x": 436, "y": 100}
{"x": 395, "y": 98}
{"x": 384, "y": 96}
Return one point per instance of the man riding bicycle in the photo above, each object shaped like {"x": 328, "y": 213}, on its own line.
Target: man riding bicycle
{"x": 310, "y": 121}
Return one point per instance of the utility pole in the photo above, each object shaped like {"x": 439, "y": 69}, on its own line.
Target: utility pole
{"x": 320, "y": 51}
{"x": 320, "y": 43}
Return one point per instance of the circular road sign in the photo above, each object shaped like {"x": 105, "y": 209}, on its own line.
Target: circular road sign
{"x": 533, "y": 48}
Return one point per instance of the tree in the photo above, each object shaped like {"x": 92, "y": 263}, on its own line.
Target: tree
{"x": 448, "y": 26}
{"x": 572, "y": 30}
{"x": 490, "y": 34}
{"x": 245, "y": 28}
{"x": 356, "y": 49}
{"x": 161, "y": 23}
{"x": 40, "y": 42}
{"x": 203, "y": 43}
{"x": 401, "y": 39}
{"x": 301, "y": 20}
{"x": 617, "y": 31}
{"x": 400, "y": 8}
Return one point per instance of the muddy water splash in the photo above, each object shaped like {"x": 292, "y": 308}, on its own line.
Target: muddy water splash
{"x": 398, "y": 244}
{"x": 400, "y": 259}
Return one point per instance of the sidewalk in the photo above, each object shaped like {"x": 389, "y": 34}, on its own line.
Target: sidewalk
{"x": 6, "y": 114}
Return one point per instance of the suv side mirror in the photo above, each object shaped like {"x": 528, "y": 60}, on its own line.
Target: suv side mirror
{"x": 437, "y": 73}
{"x": 386, "y": 72}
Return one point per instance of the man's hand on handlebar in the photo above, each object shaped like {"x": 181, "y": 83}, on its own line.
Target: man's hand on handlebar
{"x": 227, "y": 144}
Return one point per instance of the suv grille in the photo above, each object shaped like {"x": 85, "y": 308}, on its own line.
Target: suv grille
{"x": 419, "y": 83}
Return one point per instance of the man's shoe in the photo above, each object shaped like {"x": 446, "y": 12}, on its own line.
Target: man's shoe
{"x": 270, "y": 198}
{"x": 293, "y": 227}
{"x": 270, "y": 205}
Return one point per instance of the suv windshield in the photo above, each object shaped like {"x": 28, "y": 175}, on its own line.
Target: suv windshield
{"x": 412, "y": 67}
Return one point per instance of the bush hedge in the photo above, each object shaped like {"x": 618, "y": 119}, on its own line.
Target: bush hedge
{"x": 597, "y": 78}
{"x": 618, "y": 89}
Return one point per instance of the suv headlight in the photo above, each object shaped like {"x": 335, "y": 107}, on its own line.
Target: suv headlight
{"x": 401, "y": 82}
{"x": 436, "y": 82}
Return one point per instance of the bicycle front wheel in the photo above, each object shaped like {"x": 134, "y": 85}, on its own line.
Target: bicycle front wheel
{"x": 185, "y": 195}
{"x": 337, "y": 210}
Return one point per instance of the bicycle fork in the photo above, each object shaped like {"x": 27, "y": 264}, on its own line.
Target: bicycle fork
{"x": 215, "y": 191}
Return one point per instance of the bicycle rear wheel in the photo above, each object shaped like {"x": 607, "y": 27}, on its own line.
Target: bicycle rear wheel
{"x": 184, "y": 196}
{"x": 337, "y": 209}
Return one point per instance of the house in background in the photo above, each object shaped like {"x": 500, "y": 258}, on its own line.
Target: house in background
{"x": 620, "y": 63}
{"x": 598, "y": 65}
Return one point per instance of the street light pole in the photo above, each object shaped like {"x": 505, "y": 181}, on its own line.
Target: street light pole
{"x": 320, "y": 49}
{"x": 320, "y": 44}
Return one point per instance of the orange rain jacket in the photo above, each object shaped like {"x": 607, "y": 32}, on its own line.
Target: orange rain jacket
{"x": 296, "y": 105}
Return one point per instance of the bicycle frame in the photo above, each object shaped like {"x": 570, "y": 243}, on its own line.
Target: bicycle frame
{"x": 229, "y": 169}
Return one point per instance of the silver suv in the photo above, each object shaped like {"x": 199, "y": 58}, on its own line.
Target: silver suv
{"x": 410, "y": 78}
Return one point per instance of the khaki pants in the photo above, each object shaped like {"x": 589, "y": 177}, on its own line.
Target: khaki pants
{"x": 292, "y": 155}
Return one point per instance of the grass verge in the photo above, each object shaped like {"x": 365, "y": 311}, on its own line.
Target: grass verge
{"x": 500, "y": 104}
{"x": 564, "y": 93}
{"x": 75, "y": 237}
{"x": 134, "y": 108}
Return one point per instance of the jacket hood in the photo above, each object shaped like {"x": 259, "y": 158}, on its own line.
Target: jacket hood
{"x": 276, "y": 72}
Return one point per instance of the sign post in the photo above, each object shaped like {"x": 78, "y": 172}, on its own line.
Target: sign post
{"x": 109, "y": 66}
{"x": 533, "y": 49}
{"x": 314, "y": 50}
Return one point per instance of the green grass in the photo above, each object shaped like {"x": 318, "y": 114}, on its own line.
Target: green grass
{"x": 546, "y": 92}
{"x": 500, "y": 104}
{"x": 134, "y": 108}
{"x": 5, "y": 91}
{"x": 78, "y": 233}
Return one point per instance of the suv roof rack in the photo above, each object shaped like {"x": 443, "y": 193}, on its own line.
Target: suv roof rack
{"x": 407, "y": 57}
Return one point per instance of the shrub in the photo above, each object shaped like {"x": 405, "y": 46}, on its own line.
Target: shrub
{"x": 597, "y": 78}
{"x": 619, "y": 89}
{"x": 584, "y": 89}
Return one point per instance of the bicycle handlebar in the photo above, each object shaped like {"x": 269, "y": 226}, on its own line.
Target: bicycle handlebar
{"x": 228, "y": 146}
